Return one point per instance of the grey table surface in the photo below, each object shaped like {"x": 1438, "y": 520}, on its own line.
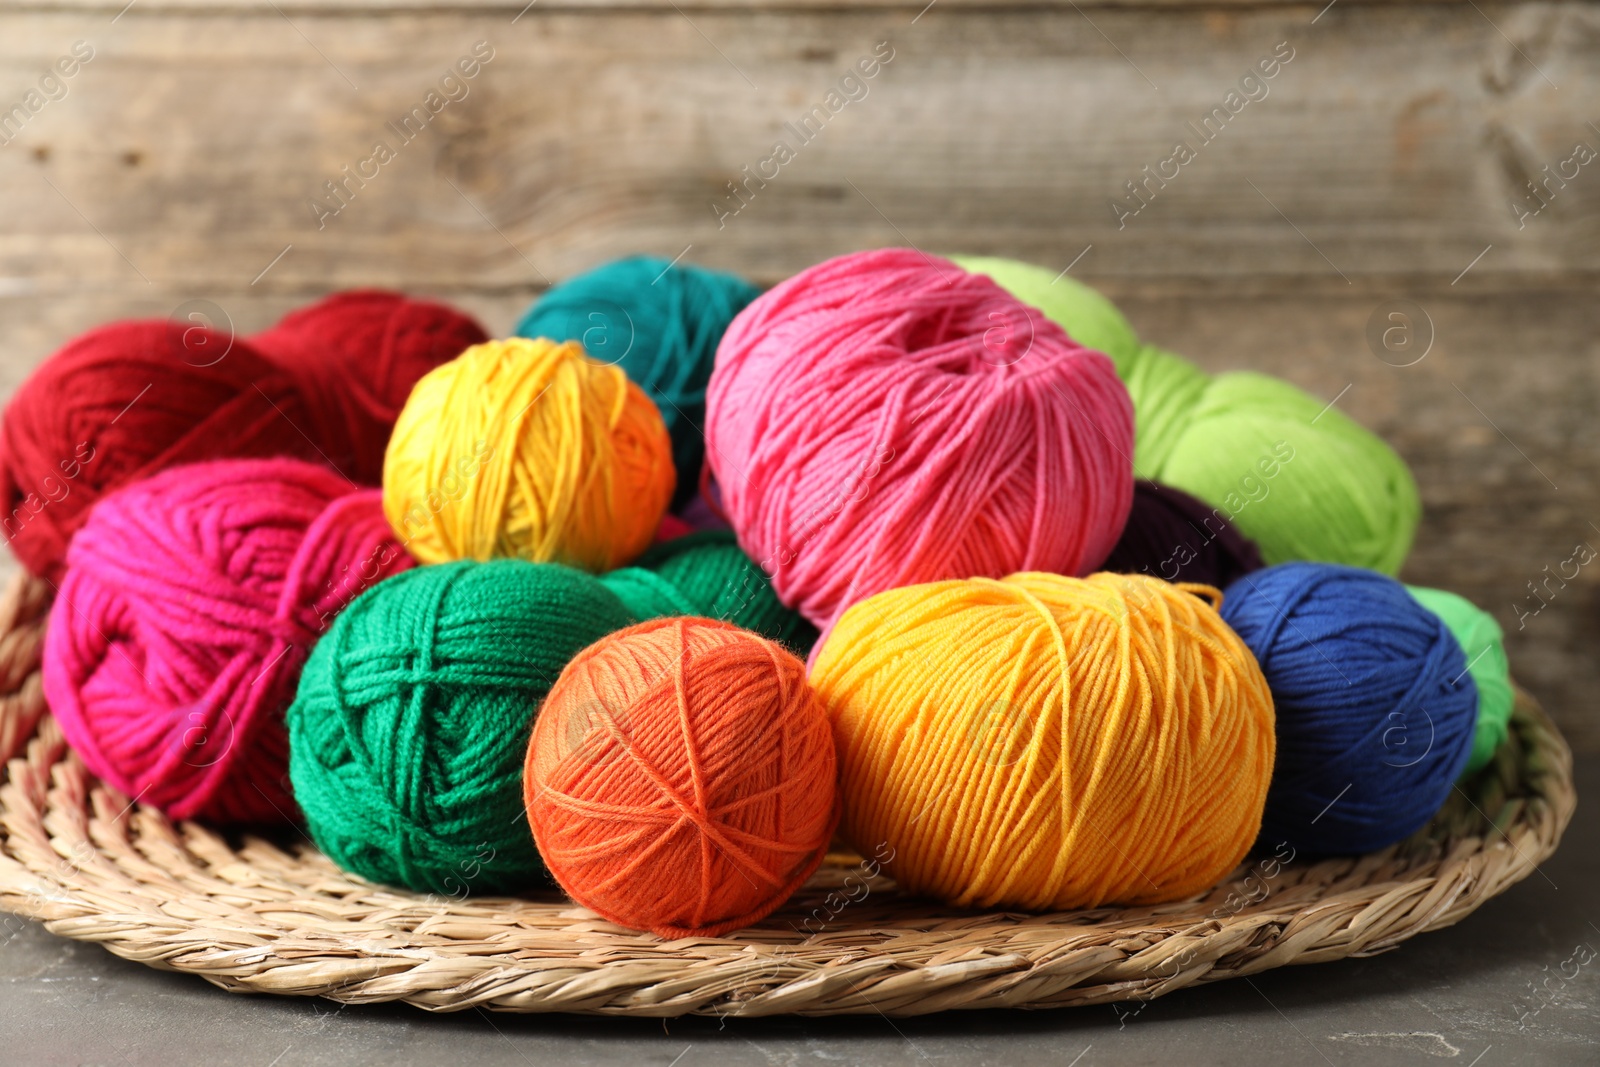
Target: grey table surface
{"x": 1516, "y": 982}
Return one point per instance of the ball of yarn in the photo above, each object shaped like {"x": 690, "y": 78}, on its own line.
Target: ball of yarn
{"x": 1324, "y": 490}
{"x": 191, "y": 601}
{"x": 530, "y": 450}
{"x": 356, "y": 356}
{"x": 659, "y": 322}
{"x": 1164, "y": 388}
{"x": 1376, "y": 707}
{"x": 681, "y": 778}
{"x": 1089, "y": 318}
{"x": 886, "y": 418}
{"x": 1172, "y": 536}
{"x": 1483, "y": 645}
{"x": 1046, "y": 742}
{"x": 122, "y": 402}
{"x": 407, "y": 738}
{"x": 708, "y": 575}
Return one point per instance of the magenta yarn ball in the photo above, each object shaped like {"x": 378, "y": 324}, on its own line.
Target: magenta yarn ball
{"x": 886, "y": 418}
{"x": 190, "y": 603}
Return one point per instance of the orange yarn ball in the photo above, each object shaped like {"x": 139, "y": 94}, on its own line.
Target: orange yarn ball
{"x": 681, "y": 778}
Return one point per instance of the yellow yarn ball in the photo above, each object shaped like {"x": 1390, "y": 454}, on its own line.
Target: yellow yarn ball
{"x": 528, "y": 449}
{"x": 1043, "y": 742}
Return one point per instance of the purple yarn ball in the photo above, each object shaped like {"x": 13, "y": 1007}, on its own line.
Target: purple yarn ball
{"x": 1173, "y": 536}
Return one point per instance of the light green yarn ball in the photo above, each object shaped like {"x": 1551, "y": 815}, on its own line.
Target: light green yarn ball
{"x": 1484, "y": 644}
{"x": 1301, "y": 479}
{"x": 1165, "y": 388}
{"x": 1089, "y": 318}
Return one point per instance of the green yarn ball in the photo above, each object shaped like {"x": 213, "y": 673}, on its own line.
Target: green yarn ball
{"x": 1164, "y": 388}
{"x": 1484, "y": 644}
{"x": 1328, "y": 490}
{"x": 408, "y": 735}
{"x": 661, "y": 324}
{"x": 1089, "y": 318}
{"x": 708, "y": 574}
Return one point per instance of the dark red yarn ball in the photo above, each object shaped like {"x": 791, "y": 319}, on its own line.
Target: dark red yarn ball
{"x": 357, "y": 354}
{"x": 122, "y": 402}
{"x": 1172, "y": 535}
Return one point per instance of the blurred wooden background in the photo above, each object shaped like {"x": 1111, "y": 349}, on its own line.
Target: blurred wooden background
{"x": 1383, "y": 163}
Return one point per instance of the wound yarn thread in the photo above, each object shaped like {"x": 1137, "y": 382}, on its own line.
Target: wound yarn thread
{"x": 1483, "y": 645}
{"x": 1376, "y": 707}
{"x": 1172, "y": 536}
{"x": 408, "y": 734}
{"x": 661, "y": 323}
{"x": 681, "y": 778}
{"x": 125, "y": 401}
{"x": 190, "y": 603}
{"x": 356, "y": 356}
{"x": 885, "y": 418}
{"x": 1345, "y": 497}
{"x": 528, "y": 449}
{"x": 707, "y": 574}
{"x": 1045, "y": 742}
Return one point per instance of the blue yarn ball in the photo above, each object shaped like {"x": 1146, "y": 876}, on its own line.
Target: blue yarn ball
{"x": 661, "y": 324}
{"x": 1375, "y": 706}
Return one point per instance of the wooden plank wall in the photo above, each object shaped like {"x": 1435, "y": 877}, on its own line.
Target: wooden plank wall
{"x": 1383, "y": 161}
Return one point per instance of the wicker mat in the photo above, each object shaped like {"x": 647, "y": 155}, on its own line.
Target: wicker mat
{"x": 274, "y": 916}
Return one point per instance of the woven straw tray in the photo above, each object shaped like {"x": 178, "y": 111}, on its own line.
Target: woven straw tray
{"x": 259, "y": 916}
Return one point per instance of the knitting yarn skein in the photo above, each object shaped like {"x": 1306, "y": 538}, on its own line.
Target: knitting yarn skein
{"x": 407, "y": 738}
{"x": 1376, "y": 707}
{"x": 1483, "y": 645}
{"x": 530, "y": 450}
{"x": 660, "y": 322}
{"x": 681, "y": 778}
{"x": 356, "y": 356}
{"x": 1045, "y": 742}
{"x": 1341, "y": 495}
{"x": 1164, "y": 388}
{"x": 1172, "y": 536}
{"x": 886, "y": 418}
{"x": 122, "y": 402}
{"x": 707, "y": 574}
{"x": 191, "y": 600}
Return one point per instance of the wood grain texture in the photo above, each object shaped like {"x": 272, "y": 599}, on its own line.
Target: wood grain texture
{"x": 1392, "y": 144}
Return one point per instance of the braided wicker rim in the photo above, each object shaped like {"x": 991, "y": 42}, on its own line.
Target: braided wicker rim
{"x": 256, "y": 916}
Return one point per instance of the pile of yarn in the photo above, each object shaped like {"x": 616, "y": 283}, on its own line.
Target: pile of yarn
{"x": 127, "y": 400}
{"x": 1084, "y": 623}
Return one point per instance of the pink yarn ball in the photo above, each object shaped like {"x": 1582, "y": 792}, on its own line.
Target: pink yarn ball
{"x": 190, "y": 603}
{"x": 886, "y": 418}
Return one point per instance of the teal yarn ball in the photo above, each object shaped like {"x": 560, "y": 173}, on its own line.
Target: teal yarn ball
{"x": 661, "y": 323}
{"x": 708, "y": 574}
{"x": 1089, "y": 318}
{"x": 411, "y": 725}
